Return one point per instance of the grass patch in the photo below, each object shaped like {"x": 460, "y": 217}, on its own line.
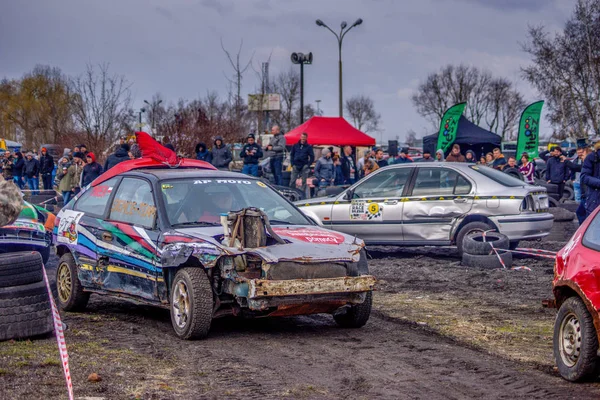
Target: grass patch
{"x": 4, "y": 372}
{"x": 50, "y": 362}
{"x": 510, "y": 332}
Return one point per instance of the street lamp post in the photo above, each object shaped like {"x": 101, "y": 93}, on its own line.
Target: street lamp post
{"x": 300, "y": 58}
{"x": 140, "y": 125}
{"x": 340, "y": 38}
{"x": 318, "y": 107}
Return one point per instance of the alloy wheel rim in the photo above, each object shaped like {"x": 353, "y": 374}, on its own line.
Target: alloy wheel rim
{"x": 181, "y": 304}
{"x": 64, "y": 282}
{"x": 570, "y": 339}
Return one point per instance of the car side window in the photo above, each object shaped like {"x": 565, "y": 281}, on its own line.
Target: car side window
{"x": 591, "y": 238}
{"x": 95, "y": 199}
{"x": 387, "y": 183}
{"x": 133, "y": 203}
{"x": 440, "y": 182}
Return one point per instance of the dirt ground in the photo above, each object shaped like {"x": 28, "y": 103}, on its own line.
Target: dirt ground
{"x": 438, "y": 331}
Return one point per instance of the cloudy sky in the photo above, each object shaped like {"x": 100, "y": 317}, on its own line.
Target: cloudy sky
{"x": 172, "y": 46}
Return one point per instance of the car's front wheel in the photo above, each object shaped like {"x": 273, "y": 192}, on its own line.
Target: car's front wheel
{"x": 355, "y": 316}
{"x": 575, "y": 342}
{"x": 71, "y": 296}
{"x": 191, "y": 303}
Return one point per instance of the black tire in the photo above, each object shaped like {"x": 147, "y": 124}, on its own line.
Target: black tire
{"x": 487, "y": 262}
{"x": 568, "y": 193}
{"x": 474, "y": 243}
{"x": 575, "y": 342}
{"x": 21, "y": 268}
{"x": 552, "y": 202}
{"x": 471, "y": 227}
{"x": 356, "y": 315}
{"x": 70, "y": 294}
{"x": 25, "y": 311}
{"x": 514, "y": 244}
{"x": 195, "y": 321}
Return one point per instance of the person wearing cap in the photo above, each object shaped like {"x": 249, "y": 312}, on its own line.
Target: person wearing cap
{"x": 403, "y": 157}
{"x": 31, "y": 171}
{"x": 221, "y": 155}
{"x": 83, "y": 149}
{"x": 75, "y": 171}
{"x": 91, "y": 170}
{"x": 557, "y": 172}
{"x": 46, "y": 168}
{"x": 251, "y": 153}
{"x": 325, "y": 170}
{"x": 590, "y": 177}
{"x": 122, "y": 154}
{"x": 64, "y": 179}
{"x": 426, "y": 157}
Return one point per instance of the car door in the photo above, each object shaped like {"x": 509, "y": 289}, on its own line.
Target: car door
{"x": 79, "y": 228}
{"x": 372, "y": 209}
{"x": 128, "y": 256}
{"x": 436, "y": 198}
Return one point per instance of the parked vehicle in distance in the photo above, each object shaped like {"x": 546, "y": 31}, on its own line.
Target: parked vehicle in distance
{"x": 577, "y": 296}
{"x": 434, "y": 204}
{"x": 156, "y": 235}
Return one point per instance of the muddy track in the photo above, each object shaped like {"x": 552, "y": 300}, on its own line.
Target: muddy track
{"x": 135, "y": 352}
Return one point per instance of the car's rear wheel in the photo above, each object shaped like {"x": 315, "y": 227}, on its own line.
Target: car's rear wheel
{"x": 191, "y": 303}
{"x": 576, "y": 342}
{"x": 355, "y": 316}
{"x": 471, "y": 227}
{"x": 71, "y": 296}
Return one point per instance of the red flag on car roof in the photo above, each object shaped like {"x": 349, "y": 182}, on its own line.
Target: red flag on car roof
{"x": 152, "y": 149}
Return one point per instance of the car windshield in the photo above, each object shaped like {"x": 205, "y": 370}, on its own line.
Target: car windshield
{"x": 498, "y": 176}
{"x": 591, "y": 238}
{"x": 201, "y": 201}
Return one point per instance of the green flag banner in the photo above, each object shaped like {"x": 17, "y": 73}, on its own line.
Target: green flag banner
{"x": 449, "y": 126}
{"x": 529, "y": 129}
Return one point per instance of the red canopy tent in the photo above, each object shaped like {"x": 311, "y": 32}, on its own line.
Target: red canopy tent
{"x": 335, "y": 131}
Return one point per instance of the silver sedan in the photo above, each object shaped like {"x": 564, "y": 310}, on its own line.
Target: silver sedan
{"x": 434, "y": 205}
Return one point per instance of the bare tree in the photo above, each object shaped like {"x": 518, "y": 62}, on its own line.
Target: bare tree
{"x": 101, "y": 105}
{"x": 287, "y": 85}
{"x": 490, "y": 101}
{"x": 238, "y": 75}
{"x": 565, "y": 70}
{"x": 361, "y": 110}
{"x": 411, "y": 137}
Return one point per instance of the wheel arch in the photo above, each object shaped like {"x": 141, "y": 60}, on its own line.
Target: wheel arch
{"x": 472, "y": 218}
{"x": 62, "y": 249}
{"x": 564, "y": 290}
{"x": 170, "y": 272}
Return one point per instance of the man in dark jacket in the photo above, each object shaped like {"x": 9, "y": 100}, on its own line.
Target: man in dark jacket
{"x": 590, "y": 177}
{"x": 381, "y": 162}
{"x": 7, "y": 166}
{"x": 91, "y": 170}
{"x": 403, "y": 157}
{"x": 221, "y": 155}
{"x": 348, "y": 166}
{"x": 426, "y": 157}
{"x": 18, "y": 167}
{"x": 46, "y": 168}
{"x": 122, "y": 154}
{"x": 251, "y": 153}
{"x": 275, "y": 152}
{"x": 31, "y": 171}
{"x": 325, "y": 170}
{"x": 557, "y": 172}
{"x": 202, "y": 153}
{"x": 301, "y": 157}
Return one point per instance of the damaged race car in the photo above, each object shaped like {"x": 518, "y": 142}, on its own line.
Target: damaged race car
{"x": 167, "y": 236}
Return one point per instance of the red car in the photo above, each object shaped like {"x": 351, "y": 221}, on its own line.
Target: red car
{"x": 576, "y": 288}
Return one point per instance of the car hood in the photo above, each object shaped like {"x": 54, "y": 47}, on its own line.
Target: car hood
{"x": 316, "y": 201}
{"x": 304, "y": 243}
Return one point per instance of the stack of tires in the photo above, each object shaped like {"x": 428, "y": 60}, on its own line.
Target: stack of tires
{"x": 478, "y": 251}
{"x": 24, "y": 303}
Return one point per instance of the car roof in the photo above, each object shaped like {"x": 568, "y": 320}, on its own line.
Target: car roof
{"x": 174, "y": 173}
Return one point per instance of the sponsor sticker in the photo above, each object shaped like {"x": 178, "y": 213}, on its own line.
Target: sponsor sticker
{"x": 365, "y": 211}
{"x": 311, "y": 235}
{"x": 67, "y": 227}
{"x": 261, "y": 184}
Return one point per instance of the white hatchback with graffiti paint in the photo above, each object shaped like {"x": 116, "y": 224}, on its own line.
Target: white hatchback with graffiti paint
{"x": 434, "y": 204}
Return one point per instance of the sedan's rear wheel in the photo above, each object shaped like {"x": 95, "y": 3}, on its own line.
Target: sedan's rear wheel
{"x": 575, "y": 342}
{"x": 191, "y": 303}
{"x": 471, "y": 227}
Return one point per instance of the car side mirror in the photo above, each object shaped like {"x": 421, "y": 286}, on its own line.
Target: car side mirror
{"x": 349, "y": 194}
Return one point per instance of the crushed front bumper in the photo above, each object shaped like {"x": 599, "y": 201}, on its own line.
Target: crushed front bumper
{"x": 308, "y": 296}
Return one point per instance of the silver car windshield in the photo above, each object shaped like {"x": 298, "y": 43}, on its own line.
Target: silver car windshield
{"x": 498, "y": 176}
{"x": 202, "y": 201}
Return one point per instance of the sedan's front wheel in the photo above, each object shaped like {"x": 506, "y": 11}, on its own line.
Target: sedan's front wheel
{"x": 191, "y": 303}
{"x": 355, "y": 316}
{"x": 575, "y": 342}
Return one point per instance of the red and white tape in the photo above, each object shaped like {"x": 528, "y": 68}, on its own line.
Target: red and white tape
{"x": 495, "y": 251}
{"x": 60, "y": 337}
